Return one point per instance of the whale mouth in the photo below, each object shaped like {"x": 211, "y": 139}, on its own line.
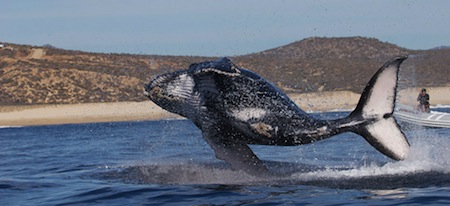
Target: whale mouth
{"x": 175, "y": 86}
{"x": 147, "y": 90}
{"x": 153, "y": 92}
{"x": 146, "y": 93}
{"x": 151, "y": 96}
{"x": 153, "y": 88}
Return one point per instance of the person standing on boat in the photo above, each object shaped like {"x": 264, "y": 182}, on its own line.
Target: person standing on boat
{"x": 424, "y": 98}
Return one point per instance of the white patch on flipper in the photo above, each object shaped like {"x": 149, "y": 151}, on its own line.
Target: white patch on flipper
{"x": 248, "y": 113}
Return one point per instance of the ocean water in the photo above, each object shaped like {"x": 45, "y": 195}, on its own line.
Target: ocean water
{"x": 168, "y": 163}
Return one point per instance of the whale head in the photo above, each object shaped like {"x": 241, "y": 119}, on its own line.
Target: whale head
{"x": 174, "y": 92}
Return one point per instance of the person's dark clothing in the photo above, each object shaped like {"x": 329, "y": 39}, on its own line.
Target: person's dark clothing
{"x": 423, "y": 99}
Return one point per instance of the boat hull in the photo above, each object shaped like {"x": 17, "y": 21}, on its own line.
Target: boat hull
{"x": 432, "y": 119}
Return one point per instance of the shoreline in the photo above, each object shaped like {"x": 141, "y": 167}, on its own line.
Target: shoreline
{"x": 33, "y": 115}
{"x": 82, "y": 113}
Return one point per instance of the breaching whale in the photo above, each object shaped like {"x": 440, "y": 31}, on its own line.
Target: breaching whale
{"x": 234, "y": 107}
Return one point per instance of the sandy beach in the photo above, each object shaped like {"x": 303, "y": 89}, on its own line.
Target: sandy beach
{"x": 135, "y": 111}
{"x": 81, "y": 113}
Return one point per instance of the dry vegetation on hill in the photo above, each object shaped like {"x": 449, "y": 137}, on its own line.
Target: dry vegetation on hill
{"x": 46, "y": 75}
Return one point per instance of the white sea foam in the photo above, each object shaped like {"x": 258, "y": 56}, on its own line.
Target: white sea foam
{"x": 428, "y": 153}
{"x": 6, "y": 126}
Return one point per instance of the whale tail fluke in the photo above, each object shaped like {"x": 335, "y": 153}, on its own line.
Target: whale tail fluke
{"x": 376, "y": 107}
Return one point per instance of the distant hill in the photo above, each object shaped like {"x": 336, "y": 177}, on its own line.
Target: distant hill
{"x": 48, "y": 75}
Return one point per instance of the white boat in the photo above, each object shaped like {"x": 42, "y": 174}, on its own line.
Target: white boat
{"x": 433, "y": 119}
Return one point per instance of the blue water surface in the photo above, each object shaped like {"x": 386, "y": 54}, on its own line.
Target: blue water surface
{"x": 168, "y": 162}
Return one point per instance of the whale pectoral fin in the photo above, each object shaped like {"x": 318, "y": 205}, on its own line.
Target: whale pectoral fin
{"x": 235, "y": 153}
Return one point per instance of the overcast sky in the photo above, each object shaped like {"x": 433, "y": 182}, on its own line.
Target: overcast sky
{"x": 218, "y": 28}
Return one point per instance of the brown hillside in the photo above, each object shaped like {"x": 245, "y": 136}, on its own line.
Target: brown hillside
{"x": 324, "y": 64}
{"x": 46, "y": 75}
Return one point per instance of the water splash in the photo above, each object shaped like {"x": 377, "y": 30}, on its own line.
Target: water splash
{"x": 427, "y": 165}
{"x": 358, "y": 167}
